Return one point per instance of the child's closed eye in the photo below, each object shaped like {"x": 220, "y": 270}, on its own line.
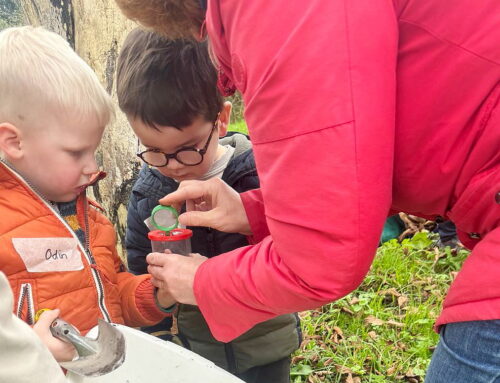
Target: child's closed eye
{"x": 76, "y": 153}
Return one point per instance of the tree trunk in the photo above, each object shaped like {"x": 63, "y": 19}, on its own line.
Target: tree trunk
{"x": 95, "y": 29}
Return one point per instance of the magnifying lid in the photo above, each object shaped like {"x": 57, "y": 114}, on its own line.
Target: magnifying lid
{"x": 165, "y": 218}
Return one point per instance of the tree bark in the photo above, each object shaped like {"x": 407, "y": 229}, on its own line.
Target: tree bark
{"x": 95, "y": 29}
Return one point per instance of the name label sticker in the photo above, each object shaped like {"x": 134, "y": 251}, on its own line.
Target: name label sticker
{"x": 41, "y": 255}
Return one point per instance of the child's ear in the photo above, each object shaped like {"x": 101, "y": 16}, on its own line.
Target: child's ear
{"x": 10, "y": 141}
{"x": 225, "y": 118}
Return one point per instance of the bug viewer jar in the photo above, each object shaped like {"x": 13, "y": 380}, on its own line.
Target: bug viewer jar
{"x": 169, "y": 236}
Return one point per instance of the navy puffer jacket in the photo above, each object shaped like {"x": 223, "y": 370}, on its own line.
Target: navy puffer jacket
{"x": 250, "y": 349}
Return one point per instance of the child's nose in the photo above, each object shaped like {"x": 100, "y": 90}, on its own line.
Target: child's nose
{"x": 173, "y": 164}
{"x": 90, "y": 166}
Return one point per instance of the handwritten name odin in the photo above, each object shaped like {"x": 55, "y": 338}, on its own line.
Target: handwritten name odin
{"x": 55, "y": 255}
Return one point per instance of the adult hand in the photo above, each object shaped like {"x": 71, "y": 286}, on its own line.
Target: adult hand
{"x": 62, "y": 351}
{"x": 210, "y": 203}
{"x": 174, "y": 274}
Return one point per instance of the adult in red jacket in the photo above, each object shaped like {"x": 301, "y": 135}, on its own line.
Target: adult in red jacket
{"x": 354, "y": 108}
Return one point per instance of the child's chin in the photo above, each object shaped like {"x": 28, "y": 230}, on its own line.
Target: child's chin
{"x": 182, "y": 178}
{"x": 68, "y": 197}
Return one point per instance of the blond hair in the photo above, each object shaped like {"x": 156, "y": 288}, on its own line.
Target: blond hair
{"x": 171, "y": 18}
{"x": 40, "y": 72}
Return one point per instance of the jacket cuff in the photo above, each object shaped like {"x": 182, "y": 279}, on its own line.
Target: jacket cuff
{"x": 168, "y": 309}
{"x": 256, "y": 214}
{"x": 146, "y": 302}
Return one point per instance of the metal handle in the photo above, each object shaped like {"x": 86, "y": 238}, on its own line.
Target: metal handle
{"x": 67, "y": 333}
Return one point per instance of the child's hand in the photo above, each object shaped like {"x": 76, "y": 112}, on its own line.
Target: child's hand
{"x": 164, "y": 298}
{"x": 175, "y": 274}
{"x": 62, "y": 351}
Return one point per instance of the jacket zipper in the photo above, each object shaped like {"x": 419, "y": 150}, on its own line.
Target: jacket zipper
{"x": 299, "y": 329}
{"x": 95, "y": 272}
{"x": 88, "y": 255}
{"x": 26, "y": 295}
{"x": 210, "y": 243}
{"x": 231, "y": 360}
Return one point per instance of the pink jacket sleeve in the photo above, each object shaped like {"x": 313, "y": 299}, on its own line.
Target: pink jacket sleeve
{"x": 319, "y": 88}
{"x": 256, "y": 214}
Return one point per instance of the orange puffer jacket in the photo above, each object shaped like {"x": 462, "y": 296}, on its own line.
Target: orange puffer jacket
{"x": 48, "y": 267}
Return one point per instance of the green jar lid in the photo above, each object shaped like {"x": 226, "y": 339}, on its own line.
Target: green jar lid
{"x": 165, "y": 218}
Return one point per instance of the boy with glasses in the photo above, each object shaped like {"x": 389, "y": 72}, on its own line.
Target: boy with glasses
{"x": 168, "y": 90}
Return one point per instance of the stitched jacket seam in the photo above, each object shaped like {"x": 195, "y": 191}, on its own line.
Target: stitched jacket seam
{"x": 255, "y": 142}
{"x": 445, "y": 40}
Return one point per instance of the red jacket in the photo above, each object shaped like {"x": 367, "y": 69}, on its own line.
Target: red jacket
{"x": 354, "y": 108}
{"x": 47, "y": 267}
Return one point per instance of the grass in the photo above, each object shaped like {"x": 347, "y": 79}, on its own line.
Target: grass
{"x": 382, "y": 332}
{"x": 239, "y": 126}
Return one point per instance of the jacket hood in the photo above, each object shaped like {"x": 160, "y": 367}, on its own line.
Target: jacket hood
{"x": 240, "y": 142}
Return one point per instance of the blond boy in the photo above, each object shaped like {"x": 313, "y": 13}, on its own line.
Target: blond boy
{"x": 58, "y": 250}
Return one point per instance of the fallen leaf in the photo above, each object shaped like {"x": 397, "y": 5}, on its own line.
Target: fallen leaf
{"x": 394, "y": 323}
{"x": 354, "y": 300}
{"x": 328, "y": 362}
{"x": 370, "y": 319}
{"x": 343, "y": 369}
{"x": 401, "y": 346}
{"x": 418, "y": 282}
{"x": 345, "y": 309}
{"x": 351, "y": 379}
{"x": 402, "y": 300}
{"x": 304, "y": 344}
{"x": 392, "y": 291}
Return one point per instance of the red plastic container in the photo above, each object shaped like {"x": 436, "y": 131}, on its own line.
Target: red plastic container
{"x": 178, "y": 241}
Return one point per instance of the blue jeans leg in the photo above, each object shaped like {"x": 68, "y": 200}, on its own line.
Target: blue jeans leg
{"x": 447, "y": 231}
{"x": 468, "y": 352}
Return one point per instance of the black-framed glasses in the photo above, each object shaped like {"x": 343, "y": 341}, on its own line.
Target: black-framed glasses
{"x": 189, "y": 155}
